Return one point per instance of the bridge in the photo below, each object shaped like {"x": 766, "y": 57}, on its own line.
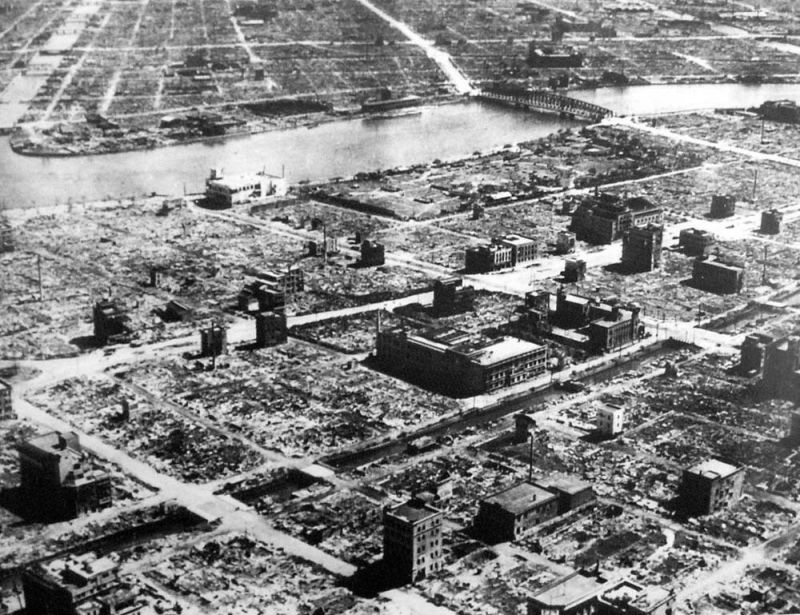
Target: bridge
{"x": 548, "y": 102}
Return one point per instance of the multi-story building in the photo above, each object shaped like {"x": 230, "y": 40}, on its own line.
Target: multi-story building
{"x": 794, "y": 428}
{"x": 226, "y": 191}
{"x": 616, "y": 329}
{"x": 503, "y": 252}
{"x": 213, "y": 341}
{"x": 57, "y": 480}
{"x": 271, "y": 329}
{"x": 780, "y": 111}
{"x": 753, "y": 352}
{"x": 269, "y": 289}
{"x": 412, "y": 540}
{"x": 451, "y": 297}
{"x": 771, "y": 222}
{"x": 723, "y": 205}
{"x": 574, "y": 271}
{"x": 714, "y": 276}
{"x": 6, "y": 408}
{"x": 77, "y": 585}
{"x": 571, "y": 492}
{"x": 781, "y": 373}
{"x": 695, "y": 242}
{"x": 111, "y": 322}
{"x": 641, "y": 248}
{"x": 628, "y": 598}
{"x": 373, "y": 254}
{"x": 605, "y": 217}
{"x": 710, "y": 486}
{"x": 565, "y": 242}
{"x": 512, "y": 513}
{"x": 455, "y": 362}
{"x": 610, "y": 420}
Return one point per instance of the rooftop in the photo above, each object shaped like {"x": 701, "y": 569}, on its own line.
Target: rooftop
{"x": 714, "y": 468}
{"x": 413, "y": 512}
{"x": 81, "y": 568}
{"x": 521, "y": 497}
{"x": 54, "y": 442}
{"x": 628, "y": 592}
{"x": 566, "y": 484}
{"x": 573, "y": 589}
{"x": 501, "y": 350}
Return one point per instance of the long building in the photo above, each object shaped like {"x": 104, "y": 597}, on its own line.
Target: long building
{"x": 226, "y": 191}
{"x": 715, "y": 276}
{"x": 604, "y": 218}
{"x": 453, "y": 361}
{"x": 503, "y": 252}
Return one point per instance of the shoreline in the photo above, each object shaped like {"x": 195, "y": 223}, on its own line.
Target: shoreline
{"x": 309, "y": 121}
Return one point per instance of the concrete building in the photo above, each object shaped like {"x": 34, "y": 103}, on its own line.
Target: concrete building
{"x": 592, "y": 593}
{"x": 214, "y": 341}
{"x": 550, "y": 57}
{"x": 771, "y": 222}
{"x": 781, "y": 373}
{"x": 610, "y": 420}
{"x": 780, "y": 111}
{"x": 271, "y": 329}
{"x": 575, "y": 594}
{"x": 175, "y": 311}
{"x": 574, "y": 271}
{"x": 794, "y": 428}
{"x": 710, "y": 486}
{"x": 412, "y": 540}
{"x": 616, "y": 329}
{"x": 695, "y": 242}
{"x": 503, "y": 252}
{"x": 226, "y": 191}
{"x": 753, "y": 352}
{"x": 77, "y": 585}
{"x": 451, "y": 297}
{"x": 512, "y": 513}
{"x": 565, "y": 242}
{"x": 641, "y": 248}
{"x": 292, "y": 280}
{"x": 269, "y": 289}
{"x": 628, "y": 598}
{"x": 722, "y": 206}
{"x": 453, "y": 361}
{"x": 111, "y": 322}
{"x": 714, "y": 276}
{"x": 373, "y": 254}
{"x": 6, "y": 406}
{"x": 571, "y": 492}
{"x": 604, "y": 218}
{"x": 57, "y": 480}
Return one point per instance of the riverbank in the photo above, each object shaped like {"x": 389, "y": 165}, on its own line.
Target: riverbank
{"x": 82, "y": 138}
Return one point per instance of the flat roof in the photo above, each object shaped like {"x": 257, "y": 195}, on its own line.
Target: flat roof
{"x": 567, "y": 484}
{"x": 517, "y": 240}
{"x": 718, "y": 264}
{"x": 414, "y": 513}
{"x": 714, "y": 468}
{"x": 52, "y": 442}
{"x": 87, "y": 565}
{"x": 502, "y": 350}
{"x": 635, "y": 595}
{"x": 520, "y": 497}
{"x": 574, "y": 588}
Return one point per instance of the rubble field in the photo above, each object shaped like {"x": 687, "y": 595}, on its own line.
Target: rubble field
{"x": 169, "y": 442}
{"x": 292, "y": 398}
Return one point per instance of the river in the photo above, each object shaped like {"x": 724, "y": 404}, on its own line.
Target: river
{"x": 338, "y": 148}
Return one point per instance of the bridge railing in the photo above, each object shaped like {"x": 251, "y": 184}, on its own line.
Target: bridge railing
{"x": 549, "y": 101}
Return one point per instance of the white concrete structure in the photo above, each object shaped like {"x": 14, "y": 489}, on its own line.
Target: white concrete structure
{"x": 610, "y": 420}
{"x": 225, "y": 191}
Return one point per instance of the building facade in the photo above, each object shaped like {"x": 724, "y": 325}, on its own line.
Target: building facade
{"x": 6, "y": 407}
{"x": 213, "y": 341}
{"x": 412, "y": 540}
{"x": 695, "y": 242}
{"x": 714, "y": 276}
{"x": 641, "y": 248}
{"x": 111, "y": 322}
{"x": 710, "y": 486}
{"x": 512, "y": 513}
{"x": 451, "y": 297}
{"x": 753, "y": 352}
{"x": 271, "y": 329}
{"x": 781, "y": 372}
{"x": 372, "y": 254}
{"x": 771, "y": 222}
{"x": 610, "y": 420}
{"x": 57, "y": 480}
{"x": 226, "y": 191}
{"x": 722, "y": 206}
{"x": 503, "y": 252}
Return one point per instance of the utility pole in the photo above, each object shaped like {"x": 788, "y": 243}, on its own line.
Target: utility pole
{"x": 755, "y": 186}
{"x": 530, "y": 458}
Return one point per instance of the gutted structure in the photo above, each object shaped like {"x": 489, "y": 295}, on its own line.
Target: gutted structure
{"x": 710, "y": 486}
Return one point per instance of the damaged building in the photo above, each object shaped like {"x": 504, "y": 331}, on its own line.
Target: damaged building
{"x": 111, "y": 322}
{"x": 641, "y": 248}
{"x": 604, "y": 218}
{"x": 456, "y": 362}
{"x": 696, "y": 242}
{"x": 781, "y": 372}
{"x": 501, "y": 253}
{"x": 412, "y": 540}
{"x": 450, "y": 297}
{"x": 57, "y": 480}
{"x": 710, "y": 486}
{"x": 715, "y": 276}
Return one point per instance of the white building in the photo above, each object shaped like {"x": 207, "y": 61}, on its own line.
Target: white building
{"x": 610, "y": 420}
{"x": 225, "y": 191}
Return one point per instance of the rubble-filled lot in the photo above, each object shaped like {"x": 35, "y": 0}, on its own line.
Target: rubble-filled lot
{"x": 169, "y": 442}
{"x": 759, "y": 588}
{"x": 232, "y": 572}
{"x": 293, "y": 398}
